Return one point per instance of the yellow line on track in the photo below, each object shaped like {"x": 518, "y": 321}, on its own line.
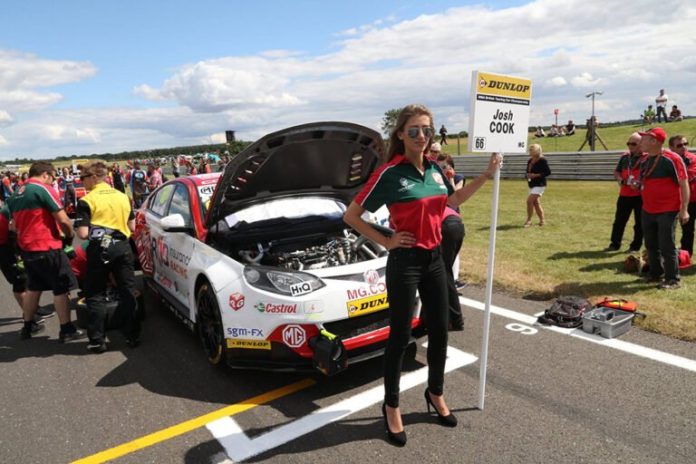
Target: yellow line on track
{"x": 192, "y": 424}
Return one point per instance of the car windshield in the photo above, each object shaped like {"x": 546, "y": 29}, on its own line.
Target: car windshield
{"x": 288, "y": 208}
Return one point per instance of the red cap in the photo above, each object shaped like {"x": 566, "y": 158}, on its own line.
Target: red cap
{"x": 657, "y": 132}
{"x": 684, "y": 259}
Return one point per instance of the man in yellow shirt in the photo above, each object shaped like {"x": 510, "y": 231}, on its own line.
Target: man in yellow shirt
{"x": 105, "y": 218}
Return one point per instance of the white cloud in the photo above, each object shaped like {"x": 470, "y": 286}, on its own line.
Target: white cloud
{"x": 557, "y": 81}
{"x": 566, "y": 51}
{"x": 5, "y": 118}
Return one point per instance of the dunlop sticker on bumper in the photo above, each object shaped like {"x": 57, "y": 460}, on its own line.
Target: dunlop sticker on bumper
{"x": 248, "y": 344}
{"x": 367, "y": 305}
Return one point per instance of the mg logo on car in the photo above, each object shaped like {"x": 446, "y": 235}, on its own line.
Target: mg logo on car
{"x": 294, "y": 336}
{"x": 236, "y": 301}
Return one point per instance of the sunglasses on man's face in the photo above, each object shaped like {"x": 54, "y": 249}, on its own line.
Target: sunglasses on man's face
{"x": 412, "y": 132}
{"x": 680, "y": 145}
{"x": 86, "y": 176}
{"x": 631, "y": 144}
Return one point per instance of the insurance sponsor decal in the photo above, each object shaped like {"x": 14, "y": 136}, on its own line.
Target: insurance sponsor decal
{"x": 237, "y": 301}
{"x": 248, "y": 344}
{"x": 367, "y": 305}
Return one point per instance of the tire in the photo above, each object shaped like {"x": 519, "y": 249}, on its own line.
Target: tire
{"x": 209, "y": 323}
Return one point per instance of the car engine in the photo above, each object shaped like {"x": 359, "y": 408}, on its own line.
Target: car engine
{"x": 313, "y": 252}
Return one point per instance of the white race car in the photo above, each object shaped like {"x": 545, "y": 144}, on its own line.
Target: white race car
{"x": 258, "y": 260}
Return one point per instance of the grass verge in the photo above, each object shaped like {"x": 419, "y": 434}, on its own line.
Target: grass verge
{"x": 565, "y": 257}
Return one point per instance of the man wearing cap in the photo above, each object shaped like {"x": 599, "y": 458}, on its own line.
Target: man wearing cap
{"x": 677, "y": 143}
{"x": 629, "y": 202}
{"x": 105, "y": 218}
{"x": 665, "y": 193}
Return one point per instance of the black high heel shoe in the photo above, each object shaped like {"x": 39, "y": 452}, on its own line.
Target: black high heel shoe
{"x": 448, "y": 421}
{"x": 398, "y": 438}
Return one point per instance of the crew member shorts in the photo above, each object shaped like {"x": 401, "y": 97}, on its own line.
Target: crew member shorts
{"x": 48, "y": 270}
{"x": 537, "y": 191}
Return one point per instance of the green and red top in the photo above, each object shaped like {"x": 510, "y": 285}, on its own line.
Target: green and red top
{"x": 32, "y": 208}
{"x": 415, "y": 201}
{"x": 660, "y": 176}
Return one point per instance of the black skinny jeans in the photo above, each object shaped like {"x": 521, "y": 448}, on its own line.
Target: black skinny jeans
{"x": 96, "y": 282}
{"x": 624, "y": 207}
{"x": 452, "y": 239}
{"x": 408, "y": 270}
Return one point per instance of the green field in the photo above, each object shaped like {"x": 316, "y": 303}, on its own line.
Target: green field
{"x": 565, "y": 257}
{"x": 614, "y": 137}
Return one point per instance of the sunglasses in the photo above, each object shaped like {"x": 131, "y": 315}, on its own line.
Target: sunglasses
{"x": 681, "y": 145}
{"x": 86, "y": 176}
{"x": 412, "y": 132}
{"x": 631, "y": 144}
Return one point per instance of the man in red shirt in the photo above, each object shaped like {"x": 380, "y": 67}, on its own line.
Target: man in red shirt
{"x": 678, "y": 144}
{"x": 629, "y": 202}
{"x": 665, "y": 192}
{"x": 38, "y": 214}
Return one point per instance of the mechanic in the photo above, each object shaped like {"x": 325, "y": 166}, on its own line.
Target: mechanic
{"x": 105, "y": 217}
{"x": 415, "y": 192}
{"x": 37, "y": 213}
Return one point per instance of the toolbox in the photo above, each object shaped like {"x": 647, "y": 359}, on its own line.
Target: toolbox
{"x": 608, "y": 322}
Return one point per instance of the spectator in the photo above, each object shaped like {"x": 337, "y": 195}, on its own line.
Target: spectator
{"x": 661, "y": 103}
{"x": 665, "y": 192}
{"x": 105, "y": 217}
{"x": 117, "y": 176}
{"x": 66, "y": 181}
{"x": 537, "y": 172}
{"x": 413, "y": 189}
{"x": 38, "y": 214}
{"x": 452, "y": 238}
{"x": 570, "y": 128}
{"x": 138, "y": 184}
{"x": 627, "y": 174}
{"x": 678, "y": 144}
{"x": 539, "y": 132}
{"x": 443, "y": 135}
{"x": 553, "y": 132}
{"x": 154, "y": 177}
{"x": 175, "y": 166}
{"x": 675, "y": 114}
{"x": 649, "y": 115}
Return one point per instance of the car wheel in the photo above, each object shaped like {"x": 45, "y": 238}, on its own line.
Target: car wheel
{"x": 209, "y": 323}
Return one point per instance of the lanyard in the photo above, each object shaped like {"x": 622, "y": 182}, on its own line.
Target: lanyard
{"x": 646, "y": 171}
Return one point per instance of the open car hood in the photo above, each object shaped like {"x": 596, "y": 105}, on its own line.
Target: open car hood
{"x": 326, "y": 158}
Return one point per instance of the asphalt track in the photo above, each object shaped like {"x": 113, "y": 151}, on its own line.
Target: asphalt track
{"x": 553, "y": 396}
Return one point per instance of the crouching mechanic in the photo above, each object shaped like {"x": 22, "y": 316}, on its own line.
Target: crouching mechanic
{"x": 105, "y": 218}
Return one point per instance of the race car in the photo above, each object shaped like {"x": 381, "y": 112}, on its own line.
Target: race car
{"x": 258, "y": 261}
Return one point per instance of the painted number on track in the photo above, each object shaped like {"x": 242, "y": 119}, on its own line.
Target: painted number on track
{"x": 523, "y": 329}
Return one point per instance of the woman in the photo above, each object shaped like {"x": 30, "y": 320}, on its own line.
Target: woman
{"x": 452, "y": 238}
{"x": 415, "y": 192}
{"x": 67, "y": 183}
{"x": 537, "y": 171}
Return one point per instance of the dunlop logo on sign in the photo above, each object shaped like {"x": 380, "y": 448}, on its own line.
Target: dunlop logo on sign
{"x": 493, "y": 84}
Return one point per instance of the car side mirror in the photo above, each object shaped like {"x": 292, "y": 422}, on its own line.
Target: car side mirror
{"x": 175, "y": 223}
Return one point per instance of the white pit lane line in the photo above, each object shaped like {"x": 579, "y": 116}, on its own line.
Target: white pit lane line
{"x": 239, "y": 447}
{"x": 632, "y": 348}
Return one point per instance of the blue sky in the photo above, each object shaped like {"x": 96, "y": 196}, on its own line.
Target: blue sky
{"x": 81, "y": 77}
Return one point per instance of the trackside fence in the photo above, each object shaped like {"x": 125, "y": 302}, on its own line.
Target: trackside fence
{"x": 598, "y": 165}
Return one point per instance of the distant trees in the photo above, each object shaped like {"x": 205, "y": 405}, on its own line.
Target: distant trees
{"x": 389, "y": 120}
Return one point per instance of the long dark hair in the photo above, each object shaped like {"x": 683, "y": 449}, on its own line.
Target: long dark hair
{"x": 396, "y": 146}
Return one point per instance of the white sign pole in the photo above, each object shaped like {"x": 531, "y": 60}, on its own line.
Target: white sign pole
{"x": 489, "y": 288}
{"x": 498, "y": 122}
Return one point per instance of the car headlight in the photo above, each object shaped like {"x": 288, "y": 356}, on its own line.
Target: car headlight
{"x": 292, "y": 283}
